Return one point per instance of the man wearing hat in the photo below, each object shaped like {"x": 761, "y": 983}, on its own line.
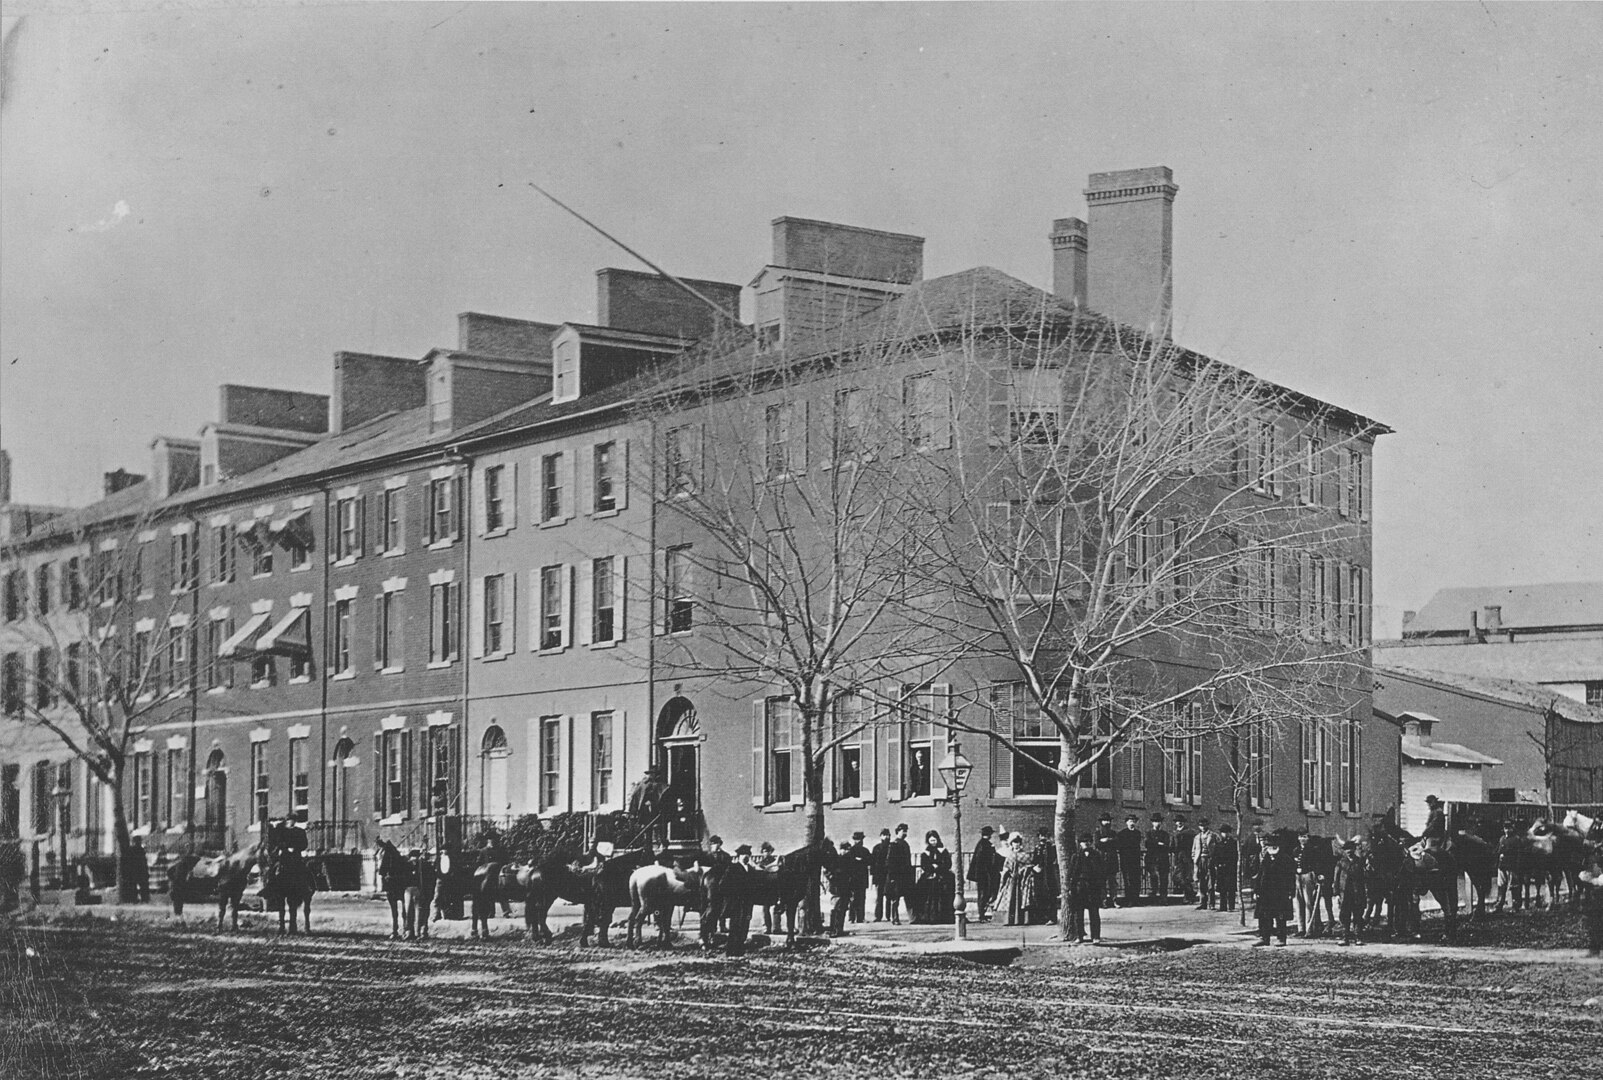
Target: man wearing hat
{"x": 1274, "y": 886}
{"x": 1202, "y": 864}
{"x": 1157, "y": 845}
{"x": 1102, "y": 839}
{"x": 985, "y": 871}
{"x": 1181, "y": 842}
{"x": 898, "y": 875}
{"x": 714, "y": 859}
{"x": 646, "y": 800}
{"x": 876, "y": 871}
{"x": 1223, "y": 866}
{"x": 1127, "y": 847}
{"x": 862, "y": 863}
{"x": 1350, "y": 886}
{"x": 840, "y": 876}
{"x": 1435, "y": 831}
{"x": 1084, "y": 884}
{"x": 1510, "y": 864}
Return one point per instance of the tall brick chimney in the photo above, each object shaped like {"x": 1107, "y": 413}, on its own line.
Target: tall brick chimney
{"x": 1068, "y": 260}
{"x": 1132, "y": 246}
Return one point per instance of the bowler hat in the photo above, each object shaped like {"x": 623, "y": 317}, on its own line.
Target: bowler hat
{"x": 986, "y": 830}
{"x": 858, "y": 835}
{"x": 715, "y": 840}
{"x": 1432, "y": 799}
{"x": 743, "y": 849}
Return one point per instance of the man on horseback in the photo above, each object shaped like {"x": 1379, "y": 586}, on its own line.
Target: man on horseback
{"x": 1435, "y": 832}
{"x": 647, "y": 802}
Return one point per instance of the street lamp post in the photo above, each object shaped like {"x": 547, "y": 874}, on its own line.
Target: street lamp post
{"x": 61, "y": 793}
{"x": 955, "y": 769}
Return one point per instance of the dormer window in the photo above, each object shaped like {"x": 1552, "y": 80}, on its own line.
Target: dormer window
{"x": 565, "y": 370}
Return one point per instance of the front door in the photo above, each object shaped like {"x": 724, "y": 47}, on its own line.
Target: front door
{"x": 681, "y": 763}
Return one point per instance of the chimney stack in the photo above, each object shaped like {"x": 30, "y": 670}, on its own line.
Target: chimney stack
{"x": 1494, "y": 619}
{"x": 120, "y": 480}
{"x": 1132, "y": 246}
{"x": 1068, "y": 260}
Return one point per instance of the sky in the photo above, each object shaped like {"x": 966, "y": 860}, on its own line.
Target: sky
{"x": 1397, "y": 209}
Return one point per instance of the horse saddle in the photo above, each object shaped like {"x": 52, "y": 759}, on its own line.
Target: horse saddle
{"x": 208, "y": 868}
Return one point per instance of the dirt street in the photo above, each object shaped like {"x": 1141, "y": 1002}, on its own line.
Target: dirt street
{"x": 88, "y": 997}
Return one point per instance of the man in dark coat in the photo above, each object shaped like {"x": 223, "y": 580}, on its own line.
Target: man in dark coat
{"x": 1085, "y": 885}
{"x": 1103, "y": 839}
{"x": 1510, "y": 867}
{"x": 841, "y": 877}
{"x": 898, "y": 875}
{"x": 985, "y": 871}
{"x": 647, "y": 802}
{"x": 1316, "y": 869}
{"x": 1202, "y": 865}
{"x": 1223, "y": 867}
{"x": 715, "y": 860}
{"x": 1274, "y": 886}
{"x": 862, "y": 862}
{"x": 1350, "y": 885}
{"x": 1435, "y": 831}
{"x": 1127, "y": 846}
{"x": 876, "y": 871}
{"x": 1044, "y": 861}
{"x": 1158, "y": 850}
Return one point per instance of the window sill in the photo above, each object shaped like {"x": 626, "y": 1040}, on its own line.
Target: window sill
{"x": 491, "y": 658}
{"x": 849, "y": 804}
{"x": 391, "y": 670}
{"x": 493, "y": 534}
{"x": 349, "y": 560}
{"x": 442, "y": 545}
{"x": 254, "y": 827}
{"x": 554, "y": 650}
{"x": 342, "y": 676}
{"x": 437, "y": 665}
{"x": 300, "y": 569}
{"x": 606, "y": 513}
{"x": 393, "y": 553}
{"x": 263, "y": 576}
{"x": 177, "y": 830}
{"x": 1020, "y": 800}
{"x": 392, "y": 819}
{"x": 300, "y": 680}
{"x": 555, "y": 522}
{"x": 261, "y": 686}
{"x": 217, "y": 689}
{"x": 613, "y": 644}
{"x": 781, "y": 808}
{"x": 922, "y": 800}
{"x": 145, "y": 595}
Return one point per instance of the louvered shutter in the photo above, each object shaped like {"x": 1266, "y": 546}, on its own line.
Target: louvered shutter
{"x": 480, "y": 501}
{"x": 509, "y": 495}
{"x": 940, "y": 709}
{"x": 799, "y": 438}
{"x": 620, "y": 595}
{"x": 1001, "y": 757}
{"x": 584, "y": 467}
{"x": 378, "y": 772}
{"x": 536, "y": 620}
{"x": 476, "y": 618}
{"x": 580, "y": 761}
{"x": 456, "y": 507}
{"x": 832, "y": 757}
{"x": 510, "y": 644}
{"x": 798, "y": 751}
{"x": 759, "y": 711}
{"x": 361, "y": 525}
{"x": 870, "y": 760}
{"x": 893, "y": 758}
{"x": 565, "y": 577}
{"x": 570, "y": 497}
{"x": 407, "y": 778}
{"x": 620, "y": 470}
{"x": 585, "y": 616}
{"x": 378, "y": 632}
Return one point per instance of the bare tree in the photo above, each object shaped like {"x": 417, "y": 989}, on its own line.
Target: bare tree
{"x": 780, "y": 491}
{"x": 1136, "y": 544}
{"x": 91, "y": 666}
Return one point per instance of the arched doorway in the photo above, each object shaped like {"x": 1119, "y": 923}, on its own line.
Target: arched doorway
{"x": 215, "y": 813}
{"x": 341, "y": 809}
{"x": 679, "y": 755}
{"x": 493, "y": 754}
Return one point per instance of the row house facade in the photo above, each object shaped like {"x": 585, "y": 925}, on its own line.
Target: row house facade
{"x": 450, "y": 590}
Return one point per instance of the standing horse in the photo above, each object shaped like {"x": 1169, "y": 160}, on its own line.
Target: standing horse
{"x": 192, "y": 877}
{"x": 655, "y": 890}
{"x": 420, "y": 894}
{"x": 784, "y": 887}
{"x": 287, "y": 880}
{"x": 396, "y": 874}
{"x": 601, "y": 890}
{"x": 1391, "y": 883}
{"x": 1477, "y": 861}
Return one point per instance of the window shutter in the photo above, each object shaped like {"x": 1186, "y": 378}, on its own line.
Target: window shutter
{"x": 361, "y": 525}
{"x": 620, "y": 471}
{"x": 456, "y": 507}
{"x": 536, "y": 616}
{"x": 799, "y": 438}
{"x": 893, "y": 759}
{"x": 798, "y": 749}
{"x": 407, "y": 779}
{"x": 759, "y": 715}
{"x": 657, "y": 597}
{"x": 1001, "y": 757}
{"x": 565, "y": 577}
{"x": 832, "y": 757}
{"x": 587, "y": 602}
{"x": 943, "y": 411}
{"x": 509, "y": 495}
{"x": 510, "y": 644}
{"x": 481, "y": 506}
{"x": 940, "y": 700}
{"x": 476, "y": 618}
{"x": 870, "y": 775}
{"x": 584, "y": 467}
{"x": 620, "y": 594}
{"x": 580, "y": 761}
{"x": 1196, "y": 770}
{"x": 570, "y": 497}
{"x": 378, "y": 772}
{"x": 378, "y": 632}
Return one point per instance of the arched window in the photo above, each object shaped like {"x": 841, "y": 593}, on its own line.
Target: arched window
{"x": 493, "y": 754}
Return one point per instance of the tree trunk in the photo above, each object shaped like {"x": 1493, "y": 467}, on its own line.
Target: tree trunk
{"x": 1241, "y": 862}
{"x": 127, "y": 886}
{"x": 813, "y": 810}
{"x": 1063, "y": 832}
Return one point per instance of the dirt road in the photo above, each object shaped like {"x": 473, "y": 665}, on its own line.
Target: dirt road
{"x": 91, "y": 998}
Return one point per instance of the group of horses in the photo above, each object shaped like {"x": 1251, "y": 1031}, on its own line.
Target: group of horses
{"x": 649, "y": 885}
{"x": 288, "y": 881}
{"x": 1398, "y": 868}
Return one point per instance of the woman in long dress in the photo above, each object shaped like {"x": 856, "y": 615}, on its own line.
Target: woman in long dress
{"x": 1014, "y": 895}
{"x": 935, "y": 881}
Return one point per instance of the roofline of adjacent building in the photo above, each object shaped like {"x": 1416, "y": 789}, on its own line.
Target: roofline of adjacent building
{"x": 1558, "y": 702}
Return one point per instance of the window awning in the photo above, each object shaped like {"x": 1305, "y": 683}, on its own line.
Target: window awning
{"x": 230, "y": 648}
{"x": 290, "y": 636}
{"x": 298, "y": 520}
